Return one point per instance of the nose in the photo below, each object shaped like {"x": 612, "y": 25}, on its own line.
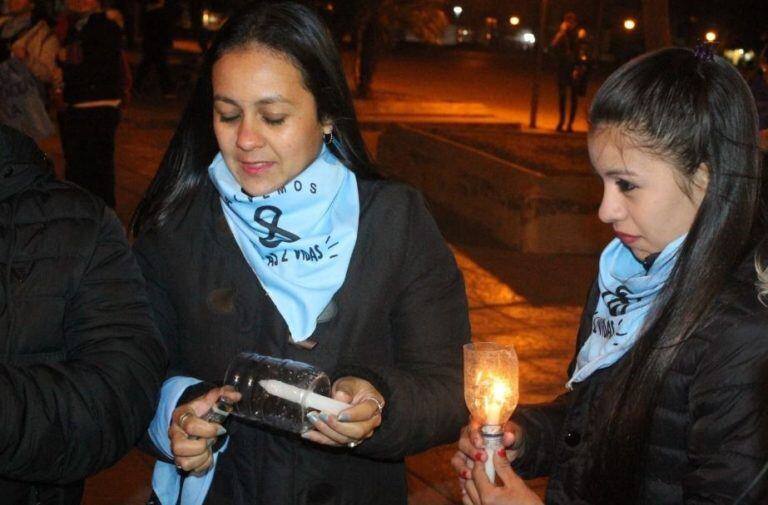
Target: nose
{"x": 249, "y": 137}
{"x": 612, "y": 208}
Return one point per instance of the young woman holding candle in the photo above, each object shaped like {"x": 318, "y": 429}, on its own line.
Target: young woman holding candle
{"x": 666, "y": 398}
{"x": 266, "y": 229}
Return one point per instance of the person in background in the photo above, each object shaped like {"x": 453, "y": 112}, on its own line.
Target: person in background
{"x": 92, "y": 86}
{"x": 25, "y": 34}
{"x": 266, "y": 229}
{"x": 666, "y": 400}
{"x": 758, "y": 83}
{"x": 157, "y": 21}
{"x": 81, "y": 360}
{"x": 565, "y": 46}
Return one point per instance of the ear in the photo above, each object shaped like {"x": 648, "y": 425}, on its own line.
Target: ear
{"x": 699, "y": 183}
{"x": 701, "y": 176}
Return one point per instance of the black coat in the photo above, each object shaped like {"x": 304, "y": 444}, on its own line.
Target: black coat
{"x": 93, "y": 67}
{"x": 709, "y": 429}
{"x": 401, "y": 323}
{"x": 80, "y": 359}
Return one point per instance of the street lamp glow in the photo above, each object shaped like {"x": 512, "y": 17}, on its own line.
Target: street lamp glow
{"x": 529, "y": 38}
{"x": 457, "y": 10}
{"x": 629, "y": 24}
{"x": 514, "y": 20}
{"x": 711, "y": 36}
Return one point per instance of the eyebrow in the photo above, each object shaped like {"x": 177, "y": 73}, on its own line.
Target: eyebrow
{"x": 264, "y": 101}
{"x": 620, "y": 171}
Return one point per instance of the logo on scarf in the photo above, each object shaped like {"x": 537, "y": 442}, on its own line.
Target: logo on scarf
{"x": 617, "y": 302}
{"x": 276, "y": 235}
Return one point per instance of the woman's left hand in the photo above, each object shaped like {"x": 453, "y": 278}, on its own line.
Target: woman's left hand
{"x": 513, "y": 491}
{"x": 353, "y": 425}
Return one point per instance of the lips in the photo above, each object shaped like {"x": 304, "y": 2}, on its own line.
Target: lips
{"x": 625, "y": 237}
{"x": 256, "y": 167}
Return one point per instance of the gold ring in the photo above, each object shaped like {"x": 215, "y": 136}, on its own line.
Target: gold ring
{"x": 183, "y": 417}
{"x": 379, "y": 404}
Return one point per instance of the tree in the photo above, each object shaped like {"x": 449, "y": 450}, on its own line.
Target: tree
{"x": 656, "y": 24}
{"x": 378, "y": 23}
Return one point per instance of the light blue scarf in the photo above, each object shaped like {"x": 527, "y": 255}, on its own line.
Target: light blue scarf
{"x": 298, "y": 239}
{"x": 627, "y": 293}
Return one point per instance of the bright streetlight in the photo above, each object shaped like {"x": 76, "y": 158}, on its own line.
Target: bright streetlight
{"x": 457, "y": 10}
{"x": 711, "y": 36}
{"x": 629, "y": 24}
{"x": 514, "y": 20}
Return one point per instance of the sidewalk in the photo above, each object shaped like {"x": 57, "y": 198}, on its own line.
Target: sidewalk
{"x": 530, "y": 301}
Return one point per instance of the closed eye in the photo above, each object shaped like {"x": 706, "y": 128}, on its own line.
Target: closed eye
{"x": 624, "y": 185}
{"x": 274, "y": 121}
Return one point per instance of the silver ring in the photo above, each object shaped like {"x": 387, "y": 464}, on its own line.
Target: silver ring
{"x": 379, "y": 405}
{"x": 353, "y": 444}
{"x": 183, "y": 417}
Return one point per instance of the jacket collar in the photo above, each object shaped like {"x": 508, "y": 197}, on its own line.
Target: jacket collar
{"x": 21, "y": 163}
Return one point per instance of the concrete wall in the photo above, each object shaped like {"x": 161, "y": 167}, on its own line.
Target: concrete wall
{"x": 522, "y": 208}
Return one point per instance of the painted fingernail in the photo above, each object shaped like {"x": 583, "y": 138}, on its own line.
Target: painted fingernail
{"x": 221, "y": 430}
{"x": 502, "y": 452}
{"x": 465, "y": 474}
{"x": 343, "y": 417}
{"x": 324, "y": 417}
{"x": 210, "y": 442}
{"x": 306, "y": 435}
{"x": 478, "y": 456}
{"x": 312, "y": 416}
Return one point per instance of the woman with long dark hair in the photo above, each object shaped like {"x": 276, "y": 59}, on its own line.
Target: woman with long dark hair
{"x": 267, "y": 229}
{"x": 666, "y": 399}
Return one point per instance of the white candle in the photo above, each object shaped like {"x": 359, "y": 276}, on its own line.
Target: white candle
{"x": 304, "y": 397}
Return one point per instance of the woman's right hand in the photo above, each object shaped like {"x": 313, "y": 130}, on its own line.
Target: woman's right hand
{"x": 471, "y": 448}
{"x": 191, "y": 436}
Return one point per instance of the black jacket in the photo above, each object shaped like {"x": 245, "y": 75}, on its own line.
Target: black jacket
{"x": 93, "y": 67}
{"x": 709, "y": 429}
{"x": 401, "y": 323}
{"x": 80, "y": 359}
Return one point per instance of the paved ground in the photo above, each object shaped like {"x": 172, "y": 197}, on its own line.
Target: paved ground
{"x": 529, "y": 301}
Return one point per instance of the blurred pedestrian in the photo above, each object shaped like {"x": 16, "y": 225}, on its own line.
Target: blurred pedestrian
{"x": 81, "y": 360}
{"x": 157, "y": 20}
{"x": 27, "y": 51}
{"x": 25, "y": 34}
{"x": 92, "y": 83}
{"x": 565, "y": 47}
{"x": 267, "y": 229}
{"x": 666, "y": 400}
{"x": 758, "y": 83}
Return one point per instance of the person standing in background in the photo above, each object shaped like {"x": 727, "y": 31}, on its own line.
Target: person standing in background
{"x": 91, "y": 85}
{"x": 565, "y": 47}
{"x": 26, "y": 35}
{"x": 157, "y": 20}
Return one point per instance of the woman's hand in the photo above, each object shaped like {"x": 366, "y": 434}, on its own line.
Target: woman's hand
{"x": 513, "y": 491}
{"x": 192, "y": 437}
{"x": 471, "y": 449}
{"x": 353, "y": 425}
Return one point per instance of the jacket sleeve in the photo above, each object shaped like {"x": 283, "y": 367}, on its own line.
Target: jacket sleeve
{"x": 542, "y": 424}
{"x": 423, "y": 389}
{"x": 728, "y": 435}
{"x": 62, "y": 421}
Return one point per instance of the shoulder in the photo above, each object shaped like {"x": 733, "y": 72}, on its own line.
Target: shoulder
{"x": 189, "y": 222}
{"x": 392, "y": 198}
{"x": 51, "y": 199}
{"x": 736, "y": 336}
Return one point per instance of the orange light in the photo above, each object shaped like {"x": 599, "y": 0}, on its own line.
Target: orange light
{"x": 630, "y": 24}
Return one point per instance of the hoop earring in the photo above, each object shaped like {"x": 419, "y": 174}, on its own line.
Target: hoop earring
{"x": 328, "y": 138}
